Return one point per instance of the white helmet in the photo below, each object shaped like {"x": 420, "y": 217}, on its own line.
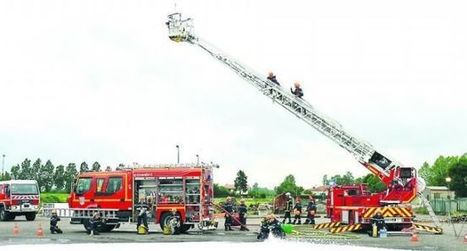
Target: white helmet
{"x": 288, "y": 194}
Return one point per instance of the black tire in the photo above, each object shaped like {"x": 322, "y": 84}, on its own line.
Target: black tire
{"x": 184, "y": 228}
{"x": 86, "y": 226}
{"x": 165, "y": 218}
{"x": 104, "y": 228}
{"x": 4, "y": 215}
{"x": 30, "y": 216}
{"x": 12, "y": 217}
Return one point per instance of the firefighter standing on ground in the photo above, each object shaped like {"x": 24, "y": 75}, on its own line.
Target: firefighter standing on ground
{"x": 288, "y": 208}
{"x": 228, "y": 208}
{"x": 297, "y": 212}
{"x": 54, "y": 219}
{"x": 311, "y": 211}
{"x": 378, "y": 220}
{"x": 142, "y": 208}
{"x": 242, "y": 210}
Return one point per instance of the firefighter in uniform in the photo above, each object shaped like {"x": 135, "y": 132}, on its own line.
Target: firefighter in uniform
{"x": 54, "y": 219}
{"x": 297, "y": 212}
{"x": 377, "y": 221}
{"x": 142, "y": 208}
{"x": 288, "y": 208}
{"x": 242, "y": 210}
{"x": 311, "y": 211}
{"x": 228, "y": 208}
{"x": 94, "y": 223}
{"x": 270, "y": 224}
{"x": 174, "y": 222}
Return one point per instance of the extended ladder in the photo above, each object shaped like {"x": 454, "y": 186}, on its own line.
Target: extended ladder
{"x": 181, "y": 30}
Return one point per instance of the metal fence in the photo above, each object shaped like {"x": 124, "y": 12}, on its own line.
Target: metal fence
{"x": 443, "y": 206}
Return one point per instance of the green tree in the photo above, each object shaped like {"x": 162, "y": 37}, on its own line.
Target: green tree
{"x": 458, "y": 174}
{"x": 59, "y": 178}
{"x": 26, "y": 171}
{"x": 241, "y": 182}
{"x": 83, "y": 167}
{"x": 220, "y": 191}
{"x": 325, "y": 180}
{"x": 436, "y": 174}
{"x": 5, "y": 176}
{"x": 96, "y": 167}
{"x": 375, "y": 185}
{"x": 46, "y": 176}
{"x": 15, "y": 170}
{"x": 70, "y": 173}
{"x": 36, "y": 168}
{"x": 289, "y": 185}
{"x": 346, "y": 179}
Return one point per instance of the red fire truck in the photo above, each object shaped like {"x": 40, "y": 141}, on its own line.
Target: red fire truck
{"x": 347, "y": 204}
{"x": 114, "y": 194}
{"x": 19, "y": 197}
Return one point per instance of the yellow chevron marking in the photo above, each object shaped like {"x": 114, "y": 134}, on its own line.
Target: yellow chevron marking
{"x": 349, "y": 228}
{"x": 407, "y": 213}
{"x": 326, "y": 225}
{"x": 436, "y": 230}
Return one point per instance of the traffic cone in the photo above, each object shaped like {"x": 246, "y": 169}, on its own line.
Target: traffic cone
{"x": 40, "y": 231}
{"x": 15, "y": 229}
{"x": 414, "y": 237}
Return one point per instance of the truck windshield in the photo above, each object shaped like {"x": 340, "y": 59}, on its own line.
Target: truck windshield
{"x": 24, "y": 189}
{"x": 84, "y": 184}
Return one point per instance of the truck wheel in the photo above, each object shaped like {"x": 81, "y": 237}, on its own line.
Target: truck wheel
{"x": 106, "y": 228}
{"x": 184, "y": 228}
{"x": 4, "y": 215}
{"x": 165, "y": 218}
{"x": 30, "y": 216}
{"x": 86, "y": 226}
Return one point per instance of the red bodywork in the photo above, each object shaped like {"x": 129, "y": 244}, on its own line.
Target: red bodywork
{"x": 18, "y": 203}
{"x": 187, "y": 189}
{"x": 353, "y": 204}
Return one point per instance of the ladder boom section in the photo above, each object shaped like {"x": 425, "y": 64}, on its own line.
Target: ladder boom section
{"x": 361, "y": 150}
{"x": 182, "y": 31}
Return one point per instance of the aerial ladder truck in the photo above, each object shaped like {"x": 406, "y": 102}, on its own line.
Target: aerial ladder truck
{"x": 351, "y": 205}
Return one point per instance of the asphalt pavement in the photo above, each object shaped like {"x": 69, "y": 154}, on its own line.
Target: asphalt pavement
{"x": 27, "y": 234}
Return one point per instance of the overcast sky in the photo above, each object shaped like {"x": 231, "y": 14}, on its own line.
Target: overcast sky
{"x": 100, "y": 81}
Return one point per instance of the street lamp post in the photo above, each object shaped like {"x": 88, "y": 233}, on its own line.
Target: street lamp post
{"x": 178, "y": 154}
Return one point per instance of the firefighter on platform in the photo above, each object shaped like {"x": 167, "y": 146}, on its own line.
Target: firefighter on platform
{"x": 242, "y": 210}
{"x": 288, "y": 208}
{"x": 94, "y": 222}
{"x": 142, "y": 209}
{"x": 54, "y": 219}
{"x": 311, "y": 211}
{"x": 298, "y": 92}
{"x": 273, "y": 78}
{"x": 297, "y": 212}
{"x": 270, "y": 225}
{"x": 228, "y": 210}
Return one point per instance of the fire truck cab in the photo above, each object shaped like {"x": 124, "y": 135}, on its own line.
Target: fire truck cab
{"x": 186, "y": 188}
{"x": 19, "y": 197}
